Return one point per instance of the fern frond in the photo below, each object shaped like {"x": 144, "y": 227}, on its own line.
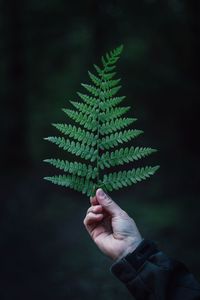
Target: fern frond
{"x": 117, "y": 180}
{"x": 123, "y": 155}
{"x": 74, "y": 182}
{"x": 118, "y": 137}
{"x": 99, "y": 126}
{"x": 77, "y": 133}
{"x": 76, "y": 148}
{"x": 75, "y": 168}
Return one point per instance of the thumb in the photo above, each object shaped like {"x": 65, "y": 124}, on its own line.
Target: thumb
{"x": 107, "y": 203}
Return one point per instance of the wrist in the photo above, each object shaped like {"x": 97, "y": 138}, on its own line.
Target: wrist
{"x": 130, "y": 248}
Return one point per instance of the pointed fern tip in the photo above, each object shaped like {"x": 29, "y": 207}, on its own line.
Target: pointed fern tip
{"x": 156, "y": 168}
{"x": 45, "y": 160}
{"x": 121, "y": 47}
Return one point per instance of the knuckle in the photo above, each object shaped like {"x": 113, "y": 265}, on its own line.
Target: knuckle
{"x": 94, "y": 209}
{"x": 89, "y": 209}
{"x": 109, "y": 201}
{"x": 123, "y": 214}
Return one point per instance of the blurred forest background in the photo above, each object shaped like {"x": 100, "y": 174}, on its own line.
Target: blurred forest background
{"x": 46, "y": 49}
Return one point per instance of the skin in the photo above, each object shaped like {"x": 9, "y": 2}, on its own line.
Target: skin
{"x": 110, "y": 227}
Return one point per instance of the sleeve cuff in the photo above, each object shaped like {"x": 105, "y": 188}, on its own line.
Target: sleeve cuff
{"x": 126, "y": 268}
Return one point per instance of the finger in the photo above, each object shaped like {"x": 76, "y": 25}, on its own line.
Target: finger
{"x": 92, "y": 218}
{"x": 107, "y": 203}
{"x": 95, "y": 209}
{"x": 93, "y": 200}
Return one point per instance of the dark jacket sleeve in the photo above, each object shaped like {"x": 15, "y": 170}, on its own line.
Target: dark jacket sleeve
{"x": 149, "y": 274}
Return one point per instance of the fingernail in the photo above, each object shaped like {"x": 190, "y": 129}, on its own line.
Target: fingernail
{"x": 101, "y": 193}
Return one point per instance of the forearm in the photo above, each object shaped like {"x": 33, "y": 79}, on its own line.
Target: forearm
{"x": 149, "y": 274}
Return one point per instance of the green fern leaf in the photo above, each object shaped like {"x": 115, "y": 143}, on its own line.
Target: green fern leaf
{"x": 114, "y": 125}
{"x": 84, "y": 108}
{"x": 106, "y": 85}
{"x": 75, "y": 168}
{"x": 99, "y": 126}
{"x": 116, "y": 180}
{"x": 82, "y": 150}
{"x": 74, "y": 182}
{"x": 111, "y": 92}
{"x": 89, "y": 100}
{"x": 113, "y": 113}
{"x": 99, "y": 71}
{"x": 108, "y": 76}
{"x": 96, "y": 80}
{"x": 112, "y": 102}
{"x": 123, "y": 155}
{"x": 118, "y": 137}
{"x": 89, "y": 122}
{"x": 92, "y": 89}
{"x": 77, "y": 133}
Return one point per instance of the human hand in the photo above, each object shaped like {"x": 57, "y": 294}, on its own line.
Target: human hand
{"x": 110, "y": 227}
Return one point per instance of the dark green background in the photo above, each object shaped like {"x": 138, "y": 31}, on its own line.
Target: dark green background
{"x": 46, "y": 49}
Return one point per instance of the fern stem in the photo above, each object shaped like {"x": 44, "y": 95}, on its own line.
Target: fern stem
{"x": 98, "y": 128}
{"x": 98, "y": 184}
{"x": 98, "y": 153}
{"x": 98, "y": 135}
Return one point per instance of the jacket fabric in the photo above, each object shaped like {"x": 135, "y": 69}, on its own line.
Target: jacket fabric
{"x": 149, "y": 274}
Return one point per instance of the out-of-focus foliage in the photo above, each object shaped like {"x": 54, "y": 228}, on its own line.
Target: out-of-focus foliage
{"x": 46, "y": 46}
